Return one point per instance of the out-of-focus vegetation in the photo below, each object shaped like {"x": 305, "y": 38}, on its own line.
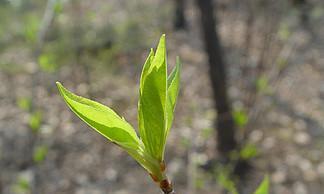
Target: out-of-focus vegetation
{"x": 60, "y": 32}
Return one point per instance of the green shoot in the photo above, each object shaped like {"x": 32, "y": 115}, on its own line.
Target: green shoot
{"x": 158, "y": 95}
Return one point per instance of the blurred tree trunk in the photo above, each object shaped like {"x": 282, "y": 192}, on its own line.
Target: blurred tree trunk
{"x": 179, "y": 16}
{"x": 225, "y": 124}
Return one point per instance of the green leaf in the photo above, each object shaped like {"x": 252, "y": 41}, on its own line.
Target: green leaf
{"x": 173, "y": 86}
{"x": 153, "y": 100}
{"x": 115, "y": 128}
{"x": 263, "y": 187}
{"x": 102, "y": 119}
{"x": 173, "y": 91}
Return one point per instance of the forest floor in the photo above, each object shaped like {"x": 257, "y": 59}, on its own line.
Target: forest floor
{"x": 285, "y": 123}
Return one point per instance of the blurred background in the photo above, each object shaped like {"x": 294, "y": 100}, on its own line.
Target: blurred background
{"x": 251, "y": 100}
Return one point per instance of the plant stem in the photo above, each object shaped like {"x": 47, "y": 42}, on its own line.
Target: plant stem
{"x": 172, "y": 192}
{"x": 169, "y": 192}
{"x": 166, "y": 187}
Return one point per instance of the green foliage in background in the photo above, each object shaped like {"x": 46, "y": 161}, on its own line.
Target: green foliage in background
{"x": 24, "y": 103}
{"x": 284, "y": 31}
{"x": 35, "y": 120}
{"x": 40, "y": 153}
{"x": 47, "y": 63}
{"x": 22, "y": 186}
{"x": 77, "y": 34}
{"x": 158, "y": 96}
{"x": 31, "y": 27}
{"x": 248, "y": 151}
{"x": 224, "y": 179}
{"x": 263, "y": 187}
{"x": 58, "y": 7}
{"x": 240, "y": 117}
{"x": 262, "y": 85}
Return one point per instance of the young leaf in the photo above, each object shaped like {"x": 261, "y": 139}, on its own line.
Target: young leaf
{"x": 102, "y": 119}
{"x": 145, "y": 69}
{"x": 106, "y": 122}
{"x": 173, "y": 90}
{"x": 152, "y": 101}
{"x": 263, "y": 187}
{"x": 173, "y": 85}
{"x": 158, "y": 96}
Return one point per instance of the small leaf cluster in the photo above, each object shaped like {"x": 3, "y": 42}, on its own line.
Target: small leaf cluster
{"x": 157, "y": 99}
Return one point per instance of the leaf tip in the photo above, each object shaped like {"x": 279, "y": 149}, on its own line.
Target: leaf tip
{"x": 61, "y": 89}
{"x": 162, "y": 39}
{"x": 58, "y": 84}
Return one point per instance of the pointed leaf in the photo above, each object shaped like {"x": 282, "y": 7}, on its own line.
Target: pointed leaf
{"x": 173, "y": 90}
{"x": 102, "y": 119}
{"x": 152, "y": 101}
{"x": 263, "y": 187}
{"x": 145, "y": 70}
{"x": 106, "y": 122}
